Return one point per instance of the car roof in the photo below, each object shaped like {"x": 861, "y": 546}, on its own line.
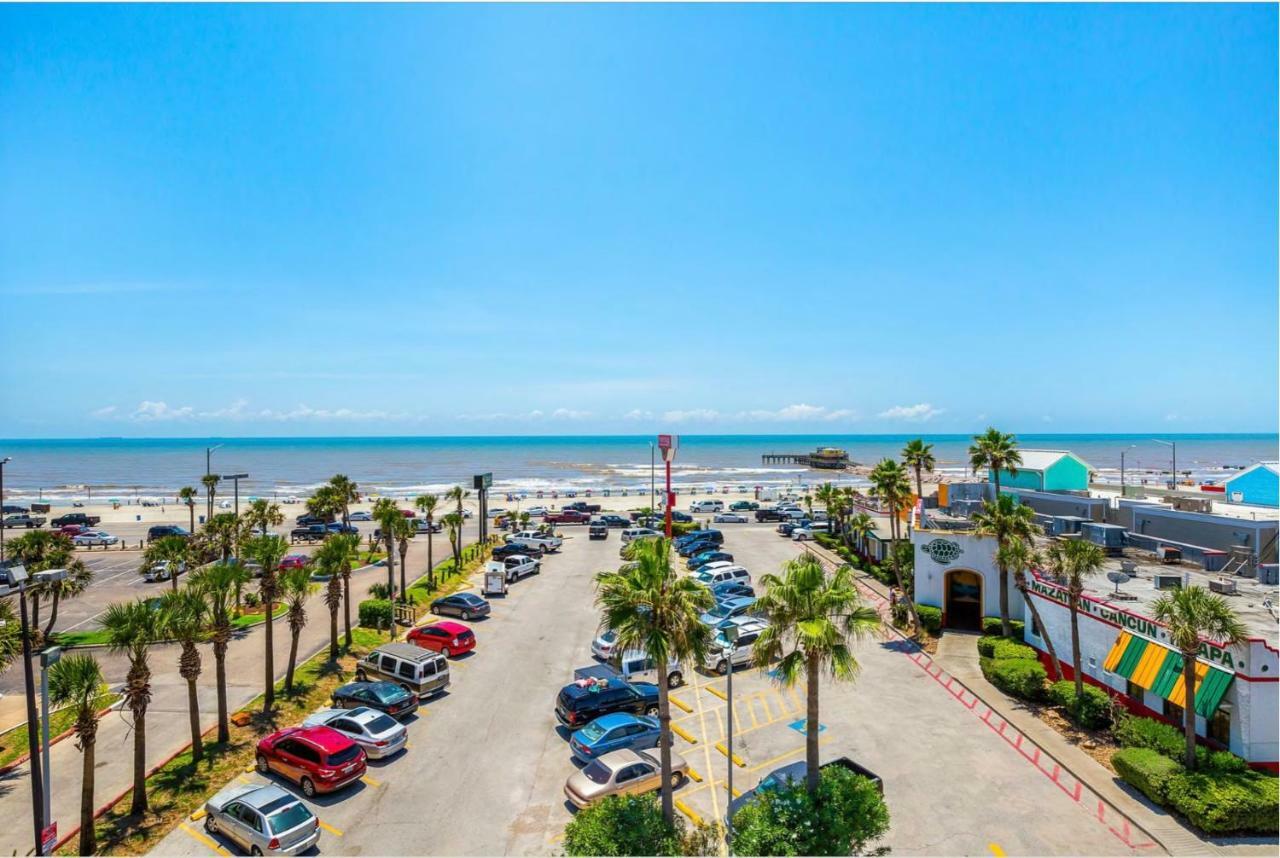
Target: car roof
{"x": 263, "y": 796}
{"x": 615, "y": 719}
{"x": 621, "y": 757}
{"x": 325, "y": 738}
{"x": 451, "y": 627}
{"x": 740, "y": 600}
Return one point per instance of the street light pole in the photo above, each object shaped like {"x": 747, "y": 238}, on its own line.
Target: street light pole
{"x": 6, "y": 460}
{"x": 1173, "y": 445}
{"x": 731, "y": 635}
{"x": 48, "y": 659}
{"x": 653, "y": 485}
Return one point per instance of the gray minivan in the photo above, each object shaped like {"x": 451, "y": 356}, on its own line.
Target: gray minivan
{"x": 418, "y": 671}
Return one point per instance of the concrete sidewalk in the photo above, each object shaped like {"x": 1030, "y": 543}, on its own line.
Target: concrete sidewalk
{"x": 168, "y": 730}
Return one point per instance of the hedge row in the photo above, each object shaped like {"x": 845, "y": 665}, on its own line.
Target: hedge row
{"x": 1215, "y": 801}
{"x": 375, "y": 613}
{"x": 1147, "y": 770}
{"x": 1021, "y": 677}
{"x": 930, "y": 618}
{"x": 992, "y": 626}
{"x": 1092, "y": 711}
{"x": 1171, "y": 742}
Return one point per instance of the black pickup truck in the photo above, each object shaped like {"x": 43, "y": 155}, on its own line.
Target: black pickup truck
{"x": 310, "y": 533}
{"x": 583, "y": 506}
{"x": 75, "y": 518}
{"x": 770, "y": 515}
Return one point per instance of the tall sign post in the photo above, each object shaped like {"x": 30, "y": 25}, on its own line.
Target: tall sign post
{"x": 668, "y": 444}
{"x": 481, "y": 483}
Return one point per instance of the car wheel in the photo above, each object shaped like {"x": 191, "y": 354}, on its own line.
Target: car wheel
{"x": 209, "y": 824}
{"x": 676, "y": 679}
{"x": 651, "y": 710}
{"x": 255, "y": 851}
{"x": 677, "y": 780}
{"x": 444, "y": 651}
{"x": 722, "y": 667}
{"x": 361, "y": 677}
{"x": 263, "y": 765}
{"x": 308, "y": 788}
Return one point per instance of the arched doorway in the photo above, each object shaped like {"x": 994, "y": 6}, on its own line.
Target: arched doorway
{"x": 964, "y": 599}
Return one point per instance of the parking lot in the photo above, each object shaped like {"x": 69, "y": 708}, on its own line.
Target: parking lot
{"x": 486, "y": 763}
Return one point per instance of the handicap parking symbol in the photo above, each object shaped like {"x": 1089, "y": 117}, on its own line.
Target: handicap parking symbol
{"x": 799, "y": 726}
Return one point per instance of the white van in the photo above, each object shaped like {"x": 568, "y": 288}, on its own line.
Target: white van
{"x": 707, "y": 506}
{"x": 631, "y": 533}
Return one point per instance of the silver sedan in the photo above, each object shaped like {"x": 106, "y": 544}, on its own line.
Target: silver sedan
{"x": 262, "y": 820}
{"x": 379, "y": 734}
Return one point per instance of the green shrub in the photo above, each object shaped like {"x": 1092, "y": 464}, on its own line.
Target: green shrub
{"x": 375, "y": 613}
{"x": 1021, "y": 677}
{"x": 1137, "y": 732}
{"x": 987, "y": 645}
{"x": 991, "y": 626}
{"x": 930, "y": 618}
{"x": 621, "y": 825}
{"x": 1147, "y": 770}
{"x": 1221, "y": 803}
{"x": 1006, "y": 648}
{"x": 850, "y": 813}
{"x": 1092, "y": 711}
{"x": 379, "y": 591}
{"x": 1223, "y": 762}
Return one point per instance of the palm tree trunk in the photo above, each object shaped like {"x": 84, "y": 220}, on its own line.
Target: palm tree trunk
{"x": 139, "y": 804}
{"x": 293, "y": 660}
{"x": 1006, "y": 627}
{"x": 53, "y": 614}
{"x": 897, "y": 574}
{"x": 220, "y": 675}
{"x": 1189, "y": 712}
{"x": 1073, "y": 604}
{"x": 431, "y": 572}
{"x": 919, "y": 483}
{"x": 346, "y": 606}
{"x": 1021, "y": 583}
{"x": 269, "y": 669}
{"x": 664, "y": 749}
{"x": 811, "y": 727}
{"x": 173, "y": 579}
{"x": 191, "y": 510}
{"x": 193, "y": 711}
{"x": 391, "y": 568}
{"x": 88, "y": 835}
{"x": 333, "y": 633}
{"x": 404, "y": 590}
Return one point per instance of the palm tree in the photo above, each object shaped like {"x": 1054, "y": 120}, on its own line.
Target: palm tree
{"x": 223, "y": 533}
{"x": 184, "y": 617}
{"x": 219, "y": 584}
{"x": 39, "y": 550}
{"x": 453, "y": 529}
{"x": 457, "y": 494}
{"x": 813, "y": 620}
{"x": 187, "y": 496}
{"x": 1075, "y": 560}
{"x": 404, "y": 531}
{"x": 426, "y": 505}
{"x": 651, "y": 608}
{"x": 997, "y": 451}
{"x": 1190, "y": 614}
{"x": 131, "y": 629}
{"x": 296, "y": 587}
{"x": 388, "y": 516}
{"x": 1008, "y": 521}
{"x": 890, "y": 485}
{"x": 172, "y": 550}
{"x": 262, "y": 515}
{"x": 10, "y": 634}
{"x": 79, "y": 577}
{"x": 210, "y": 483}
{"x": 268, "y": 551}
{"x": 344, "y": 549}
{"x": 331, "y": 560}
{"x": 325, "y": 504}
{"x": 1020, "y": 557}
{"x": 918, "y": 456}
{"x": 347, "y": 493}
{"x": 76, "y": 682}
{"x": 860, "y": 527}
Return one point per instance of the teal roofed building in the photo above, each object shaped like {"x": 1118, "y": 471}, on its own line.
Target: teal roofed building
{"x": 1258, "y": 484}
{"x": 1047, "y": 471}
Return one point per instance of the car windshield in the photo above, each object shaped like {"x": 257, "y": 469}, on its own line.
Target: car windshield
{"x": 472, "y": 600}
{"x": 291, "y": 817}
{"x": 593, "y": 732}
{"x": 721, "y": 610}
{"x": 388, "y": 693}
{"x": 380, "y": 724}
{"x": 609, "y": 636}
{"x": 346, "y": 755}
{"x": 597, "y": 772}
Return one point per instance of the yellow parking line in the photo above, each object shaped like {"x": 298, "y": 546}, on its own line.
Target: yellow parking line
{"x": 720, "y": 746}
{"x": 678, "y": 702}
{"x": 370, "y": 781}
{"x": 755, "y": 722}
{"x": 996, "y": 850}
{"x": 329, "y": 828}
{"x": 693, "y": 773}
{"x": 716, "y": 691}
{"x": 683, "y": 734}
{"x": 203, "y": 838}
{"x": 687, "y": 811}
{"x": 737, "y": 793}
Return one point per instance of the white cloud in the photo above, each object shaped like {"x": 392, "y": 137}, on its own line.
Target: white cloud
{"x": 569, "y": 414}
{"x": 692, "y": 415}
{"x": 306, "y": 412}
{"x": 148, "y": 411}
{"x": 234, "y": 411}
{"x": 104, "y": 412}
{"x": 800, "y": 412}
{"x": 920, "y": 413}
{"x": 637, "y": 414}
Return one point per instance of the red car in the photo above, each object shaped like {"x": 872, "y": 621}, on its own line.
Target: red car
{"x": 445, "y": 638}
{"x": 408, "y": 513}
{"x": 72, "y": 529}
{"x": 294, "y": 561}
{"x": 318, "y": 759}
{"x": 567, "y": 516}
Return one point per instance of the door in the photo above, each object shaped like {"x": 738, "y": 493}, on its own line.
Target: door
{"x": 964, "y": 599}
{"x": 233, "y": 825}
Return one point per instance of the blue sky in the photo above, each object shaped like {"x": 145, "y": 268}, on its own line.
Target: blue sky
{"x": 462, "y": 220}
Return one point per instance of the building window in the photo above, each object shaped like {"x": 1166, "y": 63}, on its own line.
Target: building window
{"x": 1173, "y": 712}
{"x": 1220, "y": 726}
{"x": 1035, "y": 628}
{"x": 1135, "y": 691}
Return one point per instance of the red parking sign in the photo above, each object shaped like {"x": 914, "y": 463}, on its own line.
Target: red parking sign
{"x": 49, "y": 837}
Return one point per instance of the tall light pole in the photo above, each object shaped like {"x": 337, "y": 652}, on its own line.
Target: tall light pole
{"x": 1174, "y": 451}
{"x": 6, "y": 460}
{"x": 731, "y": 636}
{"x": 1122, "y": 452}
{"x": 653, "y": 484}
{"x": 235, "y": 480}
{"x": 48, "y": 659}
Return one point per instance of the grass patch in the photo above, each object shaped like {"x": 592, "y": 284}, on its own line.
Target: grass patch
{"x": 98, "y": 637}
{"x": 180, "y": 787}
{"x": 245, "y": 620}
{"x": 13, "y": 744}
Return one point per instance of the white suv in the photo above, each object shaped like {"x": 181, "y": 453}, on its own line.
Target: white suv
{"x": 718, "y": 654}
{"x": 707, "y": 506}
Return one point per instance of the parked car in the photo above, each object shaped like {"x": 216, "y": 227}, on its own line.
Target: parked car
{"x": 339, "y": 527}
{"x": 602, "y": 646}
{"x": 545, "y": 542}
{"x": 386, "y": 697}
{"x": 162, "y": 571}
{"x": 727, "y": 609}
{"x": 633, "y": 533}
{"x": 160, "y": 531}
{"x": 72, "y": 530}
{"x": 724, "y": 573}
{"x": 14, "y": 509}
{"x": 22, "y": 519}
{"x": 567, "y": 516}
{"x": 730, "y": 518}
{"x": 467, "y": 606}
{"x": 516, "y": 566}
{"x": 577, "y": 703}
{"x": 509, "y": 549}
{"x": 415, "y": 670}
{"x": 446, "y": 638}
{"x": 707, "y": 506}
{"x": 636, "y": 666}
{"x": 731, "y": 589}
{"x": 421, "y": 525}
{"x": 702, "y": 558}
{"x": 310, "y": 533}
{"x": 622, "y": 772}
{"x": 744, "y": 506}
{"x": 598, "y": 530}
{"x": 318, "y": 759}
{"x": 769, "y": 515}
{"x": 785, "y": 528}
{"x": 261, "y": 820}
{"x": 378, "y": 734}
{"x": 307, "y": 519}
{"x": 721, "y": 650}
{"x": 86, "y": 538}
{"x": 614, "y": 732}
{"x": 614, "y": 520}
{"x": 677, "y": 515}
{"x": 700, "y": 536}
{"x": 698, "y": 546}
{"x": 294, "y": 561}
{"x": 536, "y": 511}
{"x": 795, "y": 773}
{"x": 360, "y": 515}
{"x": 583, "y": 507}
{"x": 76, "y": 518}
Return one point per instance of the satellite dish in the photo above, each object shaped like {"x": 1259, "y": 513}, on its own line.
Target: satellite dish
{"x": 1117, "y": 578}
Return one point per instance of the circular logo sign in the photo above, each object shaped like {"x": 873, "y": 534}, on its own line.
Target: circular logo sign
{"x": 942, "y": 551}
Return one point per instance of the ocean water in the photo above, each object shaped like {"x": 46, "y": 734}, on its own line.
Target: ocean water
{"x": 63, "y": 470}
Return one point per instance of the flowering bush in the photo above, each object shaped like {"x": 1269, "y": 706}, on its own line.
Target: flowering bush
{"x": 847, "y": 813}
